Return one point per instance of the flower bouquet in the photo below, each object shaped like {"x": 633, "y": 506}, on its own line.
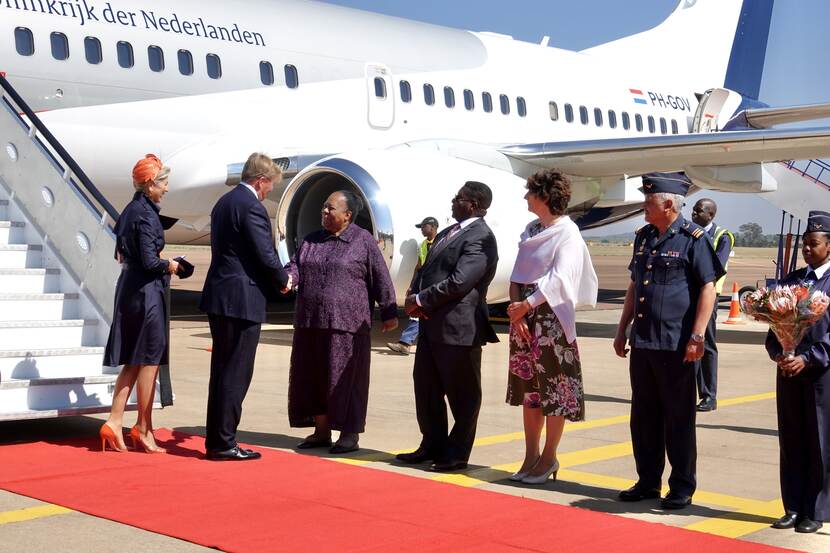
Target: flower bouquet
{"x": 789, "y": 310}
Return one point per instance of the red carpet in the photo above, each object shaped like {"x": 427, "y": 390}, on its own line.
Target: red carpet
{"x": 288, "y": 502}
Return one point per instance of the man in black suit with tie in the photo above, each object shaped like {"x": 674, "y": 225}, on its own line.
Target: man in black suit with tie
{"x": 244, "y": 271}
{"x": 449, "y": 294}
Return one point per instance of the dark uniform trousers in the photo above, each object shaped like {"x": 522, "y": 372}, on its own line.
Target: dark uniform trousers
{"x": 802, "y": 427}
{"x": 454, "y": 371}
{"x": 231, "y": 368}
{"x": 663, "y": 418}
{"x": 707, "y": 367}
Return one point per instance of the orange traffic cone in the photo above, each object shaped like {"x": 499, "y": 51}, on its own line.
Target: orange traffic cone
{"x": 734, "y": 308}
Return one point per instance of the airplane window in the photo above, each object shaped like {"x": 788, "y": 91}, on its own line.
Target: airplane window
{"x": 469, "y": 100}
{"x": 521, "y": 106}
{"x": 266, "y": 73}
{"x": 598, "y": 117}
{"x": 155, "y": 55}
{"x": 486, "y": 102}
{"x": 612, "y": 119}
{"x": 125, "y": 54}
{"x": 60, "y": 46}
{"x": 449, "y": 97}
{"x": 651, "y": 127}
{"x": 214, "y": 66}
{"x": 554, "y": 111}
{"x": 380, "y": 88}
{"x": 24, "y": 42}
{"x": 185, "y": 62}
{"x": 626, "y": 120}
{"x": 292, "y": 78}
{"x": 663, "y": 128}
{"x": 504, "y": 102}
{"x": 92, "y": 48}
{"x": 638, "y": 122}
{"x": 406, "y": 92}
{"x": 583, "y": 115}
{"x": 429, "y": 94}
{"x": 569, "y": 113}
{"x": 674, "y": 129}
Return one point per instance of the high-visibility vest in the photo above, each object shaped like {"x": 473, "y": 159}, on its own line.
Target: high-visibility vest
{"x": 719, "y": 232}
{"x": 423, "y": 250}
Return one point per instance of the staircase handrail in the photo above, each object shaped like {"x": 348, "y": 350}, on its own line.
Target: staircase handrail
{"x": 23, "y": 107}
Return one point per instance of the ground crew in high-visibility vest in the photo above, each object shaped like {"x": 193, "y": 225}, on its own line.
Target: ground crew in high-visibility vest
{"x": 703, "y": 214}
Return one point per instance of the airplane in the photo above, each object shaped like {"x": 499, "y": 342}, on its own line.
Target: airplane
{"x": 404, "y": 112}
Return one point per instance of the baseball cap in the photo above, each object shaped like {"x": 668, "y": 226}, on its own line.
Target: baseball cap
{"x": 428, "y": 221}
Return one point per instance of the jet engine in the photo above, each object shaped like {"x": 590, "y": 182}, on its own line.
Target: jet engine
{"x": 399, "y": 188}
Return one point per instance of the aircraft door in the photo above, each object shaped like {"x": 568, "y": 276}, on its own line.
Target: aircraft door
{"x": 716, "y": 107}
{"x": 381, "y": 96}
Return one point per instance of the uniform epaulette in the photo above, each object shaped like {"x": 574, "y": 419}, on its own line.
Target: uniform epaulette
{"x": 642, "y": 228}
{"x": 695, "y": 231}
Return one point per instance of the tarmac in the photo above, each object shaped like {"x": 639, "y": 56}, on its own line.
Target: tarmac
{"x": 738, "y": 493}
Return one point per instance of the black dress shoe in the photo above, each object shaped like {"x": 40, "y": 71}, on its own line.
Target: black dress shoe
{"x": 311, "y": 443}
{"x": 808, "y": 526}
{"x": 786, "y": 522}
{"x": 233, "y": 454}
{"x": 674, "y": 501}
{"x": 707, "y": 404}
{"x": 420, "y": 455}
{"x": 447, "y": 466}
{"x": 638, "y": 493}
{"x": 341, "y": 448}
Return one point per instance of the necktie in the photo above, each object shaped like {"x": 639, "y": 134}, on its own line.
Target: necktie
{"x": 452, "y": 232}
{"x": 811, "y": 275}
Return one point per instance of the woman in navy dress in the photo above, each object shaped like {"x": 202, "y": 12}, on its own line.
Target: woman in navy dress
{"x": 138, "y": 335}
{"x": 803, "y": 398}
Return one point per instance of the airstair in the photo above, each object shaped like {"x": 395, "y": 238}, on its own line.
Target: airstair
{"x": 57, "y": 276}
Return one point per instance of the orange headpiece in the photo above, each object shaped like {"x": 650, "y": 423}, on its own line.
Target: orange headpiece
{"x": 147, "y": 169}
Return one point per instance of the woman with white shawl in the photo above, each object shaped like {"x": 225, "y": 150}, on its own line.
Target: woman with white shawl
{"x": 553, "y": 275}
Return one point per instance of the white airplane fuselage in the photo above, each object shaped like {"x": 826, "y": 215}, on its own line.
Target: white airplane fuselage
{"x": 355, "y": 84}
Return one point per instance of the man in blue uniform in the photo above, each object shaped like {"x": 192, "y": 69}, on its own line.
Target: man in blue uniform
{"x": 670, "y": 299}
{"x": 703, "y": 214}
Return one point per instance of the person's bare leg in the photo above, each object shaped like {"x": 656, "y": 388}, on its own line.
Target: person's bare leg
{"x": 123, "y": 386}
{"x": 145, "y": 394}
{"x": 533, "y": 421}
{"x": 553, "y": 434}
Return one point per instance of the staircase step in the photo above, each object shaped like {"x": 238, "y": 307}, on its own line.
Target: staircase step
{"x": 52, "y": 363}
{"x": 17, "y": 335}
{"x": 38, "y": 307}
{"x": 11, "y": 232}
{"x": 52, "y": 397}
{"x": 20, "y": 256}
{"x": 29, "y": 280}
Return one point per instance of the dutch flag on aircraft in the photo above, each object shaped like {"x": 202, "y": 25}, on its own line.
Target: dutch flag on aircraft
{"x": 638, "y": 96}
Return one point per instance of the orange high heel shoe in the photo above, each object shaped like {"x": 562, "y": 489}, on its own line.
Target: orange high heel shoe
{"x": 108, "y": 438}
{"x": 135, "y": 436}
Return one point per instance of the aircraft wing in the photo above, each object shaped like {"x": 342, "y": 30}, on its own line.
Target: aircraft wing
{"x": 640, "y": 155}
{"x": 762, "y": 118}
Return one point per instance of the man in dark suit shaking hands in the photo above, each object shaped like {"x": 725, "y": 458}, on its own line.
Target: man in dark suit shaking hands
{"x": 449, "y": 294}
{"x": 244, "y": 271}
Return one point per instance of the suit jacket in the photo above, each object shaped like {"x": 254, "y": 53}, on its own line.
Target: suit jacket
{"x": 452, "y": 287}
{"x": 244, "y": 267}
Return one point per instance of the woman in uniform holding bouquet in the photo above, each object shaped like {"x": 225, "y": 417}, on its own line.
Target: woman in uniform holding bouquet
{"x": 803, "y": 397}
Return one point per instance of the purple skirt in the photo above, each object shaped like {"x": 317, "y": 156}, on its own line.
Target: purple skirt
{"x": 329, "y": 375}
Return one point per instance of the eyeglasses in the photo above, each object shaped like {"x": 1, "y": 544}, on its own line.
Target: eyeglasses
{"x": 458, "y": 199}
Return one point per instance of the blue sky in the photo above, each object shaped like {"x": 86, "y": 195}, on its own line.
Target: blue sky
{"x": 795, "y": 70}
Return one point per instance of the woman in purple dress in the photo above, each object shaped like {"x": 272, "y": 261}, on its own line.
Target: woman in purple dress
{"x": 340, "y": 274}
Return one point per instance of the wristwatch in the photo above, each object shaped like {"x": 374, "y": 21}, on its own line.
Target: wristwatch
{"x": 697, "y": 338}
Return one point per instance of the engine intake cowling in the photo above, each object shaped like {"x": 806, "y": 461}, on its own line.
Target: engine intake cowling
{"x": 399, "y": 189}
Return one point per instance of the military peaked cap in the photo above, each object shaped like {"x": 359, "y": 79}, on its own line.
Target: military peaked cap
{"x": 670, "y": 183}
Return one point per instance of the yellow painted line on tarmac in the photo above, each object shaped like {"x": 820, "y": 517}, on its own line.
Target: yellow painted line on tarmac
{"x": 745, "y": 399}
{"x": 33, "y": 513}
{"x": 753, "y": 516}
{"x": 484, "y": 475}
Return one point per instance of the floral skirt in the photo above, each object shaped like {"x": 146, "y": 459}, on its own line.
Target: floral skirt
{"x": 546, "y": 373}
